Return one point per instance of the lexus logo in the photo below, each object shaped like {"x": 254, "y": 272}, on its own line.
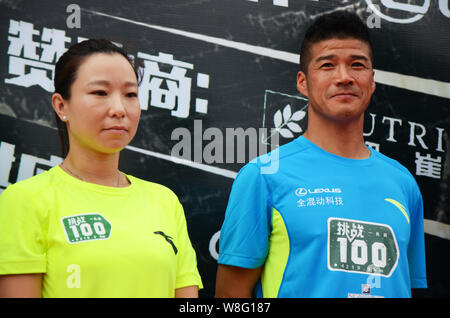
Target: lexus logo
{"x": 301, "y": 192}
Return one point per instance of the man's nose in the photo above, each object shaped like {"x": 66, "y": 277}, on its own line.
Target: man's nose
{"x": 344, "y": 76}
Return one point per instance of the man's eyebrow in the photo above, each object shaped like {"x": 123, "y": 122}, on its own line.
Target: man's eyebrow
{"x": 359, "y": 57}
{"x": 326, "y": 57}
{"x": 331, "y": 56}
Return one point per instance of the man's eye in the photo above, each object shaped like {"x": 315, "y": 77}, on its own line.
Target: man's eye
{"x": 357, "y": 64}
{"x": 326, "y": 65}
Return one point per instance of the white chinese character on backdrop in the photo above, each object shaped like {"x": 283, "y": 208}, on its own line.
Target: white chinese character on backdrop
{"x": 428, "y": 166}
{"x": 56, "y": 46}
{"x": 24, "y": 62}
{"x": 170, "y": 90}
{"x": 30, "y": 165}
{"x": 165, "y": 83}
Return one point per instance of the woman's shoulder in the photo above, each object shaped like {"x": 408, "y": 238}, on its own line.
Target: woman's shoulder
{"x": 35, "y": 185}
{"x": 33, "y": 193}
{"x": 161, "y": 190}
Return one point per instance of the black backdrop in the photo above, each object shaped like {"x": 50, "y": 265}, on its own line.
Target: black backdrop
{"x": 223, "y": 66}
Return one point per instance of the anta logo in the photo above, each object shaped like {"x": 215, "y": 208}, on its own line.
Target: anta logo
{"x": 168, "y": 239}
{"x": 304, "y": 191}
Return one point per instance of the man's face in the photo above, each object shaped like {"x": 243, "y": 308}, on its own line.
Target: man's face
{"x": 340, "y": 79}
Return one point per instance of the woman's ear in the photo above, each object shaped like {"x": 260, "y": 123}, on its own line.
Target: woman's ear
{"x": 59, "y": 105}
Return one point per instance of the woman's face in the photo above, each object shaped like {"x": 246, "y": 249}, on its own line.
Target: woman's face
{"x": 103, "y": 110}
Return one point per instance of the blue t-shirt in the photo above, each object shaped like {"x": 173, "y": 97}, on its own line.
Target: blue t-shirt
{"x": 326, "y": 226}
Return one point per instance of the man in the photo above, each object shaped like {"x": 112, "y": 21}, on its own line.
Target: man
{"x": 337, "y": 219}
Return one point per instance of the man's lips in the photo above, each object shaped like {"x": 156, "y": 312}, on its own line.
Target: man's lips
{"x": 345, "y": 94}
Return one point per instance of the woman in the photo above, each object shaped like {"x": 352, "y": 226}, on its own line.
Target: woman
{"x": 84, "y": 228}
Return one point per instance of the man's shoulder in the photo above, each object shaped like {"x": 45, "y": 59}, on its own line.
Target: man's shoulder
{"x": 292, "y": 148}
{"x": 393, "y": 165}
{"x": 271, "y": 163}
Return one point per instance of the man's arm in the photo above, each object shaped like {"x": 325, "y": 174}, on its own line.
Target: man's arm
{"x": 236, "y": 282}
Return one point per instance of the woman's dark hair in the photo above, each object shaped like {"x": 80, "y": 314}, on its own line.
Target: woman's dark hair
{"x": 336, "y": 25}
{"x": 66, "y": 71}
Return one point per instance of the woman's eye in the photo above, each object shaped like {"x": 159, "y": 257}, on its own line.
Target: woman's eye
{"x": 99, "y": 93}
{"x": 132, "y": 94}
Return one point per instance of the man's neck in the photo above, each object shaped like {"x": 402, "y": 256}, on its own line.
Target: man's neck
{"x": 342, "y": 139}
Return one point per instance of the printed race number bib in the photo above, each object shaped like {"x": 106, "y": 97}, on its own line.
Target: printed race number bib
{"x": 362, "y": 247}
{"x": 86, "y": 227}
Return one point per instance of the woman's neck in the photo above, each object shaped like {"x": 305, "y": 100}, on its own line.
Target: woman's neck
{"x": 94, "y": 167}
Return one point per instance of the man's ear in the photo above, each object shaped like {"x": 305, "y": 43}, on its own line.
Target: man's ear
{"x": 374, "y": 85}
{"x": 59, "y": 105}
{"x": 301, "y": 83}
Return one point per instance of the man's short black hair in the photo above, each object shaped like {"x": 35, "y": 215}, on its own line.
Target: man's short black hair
{"x": 336, "y": 25}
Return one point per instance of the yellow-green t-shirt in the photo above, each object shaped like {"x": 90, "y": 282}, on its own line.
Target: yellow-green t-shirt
{"x": 96, "y": 241}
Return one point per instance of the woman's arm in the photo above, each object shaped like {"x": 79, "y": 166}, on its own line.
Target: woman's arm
{"x": 187, "y": 292}
{"x": 21, "y": 286}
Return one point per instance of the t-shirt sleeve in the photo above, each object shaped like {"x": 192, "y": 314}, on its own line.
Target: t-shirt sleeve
{"x": 187, "y": 271}
{"x": 416, "y": 247}
{"x": 244, "y": 237}
{"x": 22, "y": 233}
